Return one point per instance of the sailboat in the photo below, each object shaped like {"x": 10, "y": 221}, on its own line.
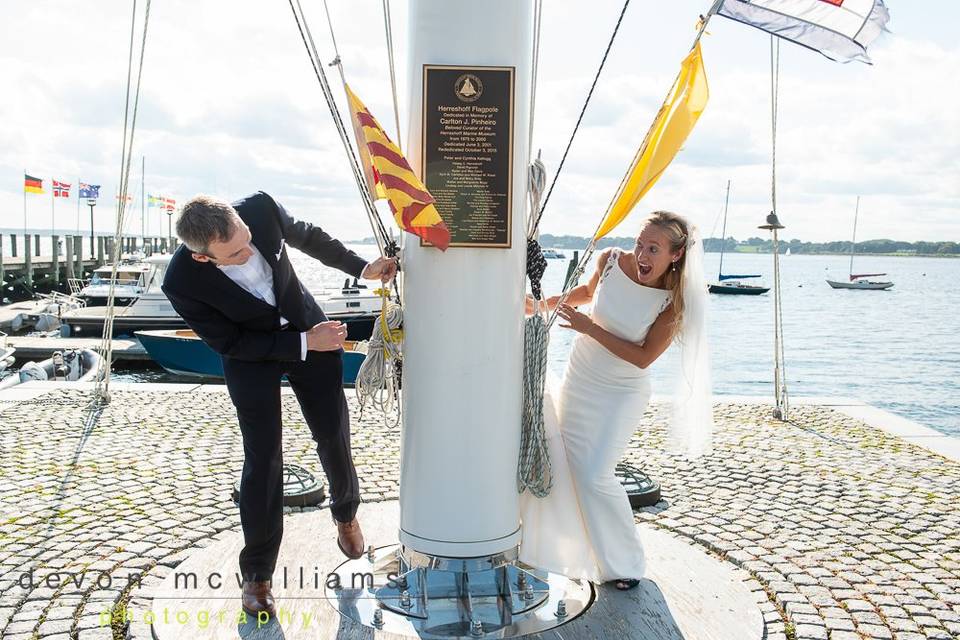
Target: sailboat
{"x": 859, "y": 281}
{"x": 730, "y": 284}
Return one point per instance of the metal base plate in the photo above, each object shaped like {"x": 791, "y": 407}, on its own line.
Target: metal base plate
{"x": 381, "y": 592}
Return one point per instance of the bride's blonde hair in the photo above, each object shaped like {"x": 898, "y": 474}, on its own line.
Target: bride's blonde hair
{"x": 677, "y": 230}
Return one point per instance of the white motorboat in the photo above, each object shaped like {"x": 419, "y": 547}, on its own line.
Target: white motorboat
{"x": 353, "y": 304}
{"x": 551, "y": 254}
{"x": 149, "y": 310}
{"x": 132, "y": 280}
{"x": 69, "y": 365}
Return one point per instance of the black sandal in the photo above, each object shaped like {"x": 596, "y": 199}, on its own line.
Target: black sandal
{"x": 625, "y": 584}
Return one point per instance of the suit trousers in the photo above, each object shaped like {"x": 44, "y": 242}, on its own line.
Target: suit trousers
{"x": 255, "y": 390}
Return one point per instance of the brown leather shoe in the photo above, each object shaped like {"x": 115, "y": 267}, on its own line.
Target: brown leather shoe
{"x": 258, "y": 597}
{"x": 350, "y": 539}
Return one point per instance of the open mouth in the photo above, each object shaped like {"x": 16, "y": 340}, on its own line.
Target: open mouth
{"x": 644, "y": 269}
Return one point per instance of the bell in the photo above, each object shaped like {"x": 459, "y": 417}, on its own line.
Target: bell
{"x": 773, "y": 222}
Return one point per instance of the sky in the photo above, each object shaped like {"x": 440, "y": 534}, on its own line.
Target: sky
{"x": 229, "y": 105}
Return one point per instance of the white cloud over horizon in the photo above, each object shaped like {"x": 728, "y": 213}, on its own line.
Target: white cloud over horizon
{"x": 230, "y": 105}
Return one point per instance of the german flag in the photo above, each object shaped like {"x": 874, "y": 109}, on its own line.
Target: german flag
{"x": 389, "y": 176}
{"x": 32, "y": 185}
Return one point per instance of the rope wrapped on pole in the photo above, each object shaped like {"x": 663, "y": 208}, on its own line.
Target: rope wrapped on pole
{"x": 533, "y": 469}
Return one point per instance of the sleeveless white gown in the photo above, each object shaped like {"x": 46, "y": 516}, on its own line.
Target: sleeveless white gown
{"x": 584, "y": 528}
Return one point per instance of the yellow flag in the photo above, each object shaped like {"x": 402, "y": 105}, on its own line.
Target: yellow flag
{"x": 669, "y": 131}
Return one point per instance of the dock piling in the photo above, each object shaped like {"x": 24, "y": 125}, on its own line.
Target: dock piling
{"x": 27, "y": 261}
{"x": 78, "y": 255}
{"x": 68, "y": 256}
{"x": 54, "y": 241}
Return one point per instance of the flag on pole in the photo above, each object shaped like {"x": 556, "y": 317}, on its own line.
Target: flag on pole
{"x": 163, "y": 202}
{"x": 390, "y": 177}
{"x": 89, "y": 191}
{"x": 61, "y": 189}
{"x": 839, "y": 29}
{"x": 674, "y": 122}
{"x": 31, "y": 184}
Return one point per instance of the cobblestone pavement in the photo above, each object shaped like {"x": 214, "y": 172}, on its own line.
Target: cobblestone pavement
{"x": 843, "y": 531}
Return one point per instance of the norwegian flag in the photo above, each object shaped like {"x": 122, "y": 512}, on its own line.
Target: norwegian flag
{"x": 61, "y": 189}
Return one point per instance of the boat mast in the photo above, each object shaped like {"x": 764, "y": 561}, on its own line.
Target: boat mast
{"x": 853, "y": 243}
{"x": 723, "y": 234}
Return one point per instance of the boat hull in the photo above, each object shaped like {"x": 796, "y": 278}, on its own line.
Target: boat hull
{"x": 737, "y": 290}
{"x": 84, "y": 323}
{"x": 867, "y": 286}
{"x": 183, "y": 354}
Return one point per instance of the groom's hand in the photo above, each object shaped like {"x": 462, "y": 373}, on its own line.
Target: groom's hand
{"x": 382, "y": 268}
{"x": 326, "y": 336}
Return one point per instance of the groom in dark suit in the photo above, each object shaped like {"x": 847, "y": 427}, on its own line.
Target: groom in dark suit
{"x": 232, "y": 282}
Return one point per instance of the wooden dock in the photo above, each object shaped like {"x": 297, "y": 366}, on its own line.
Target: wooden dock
{"x": 66, "y": 258}
{"x": 42, "y": 347}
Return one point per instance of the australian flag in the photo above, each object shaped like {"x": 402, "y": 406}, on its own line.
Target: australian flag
{"x": 91, "y": 191}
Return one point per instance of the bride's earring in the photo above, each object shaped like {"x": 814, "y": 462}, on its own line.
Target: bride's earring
{"x": 674, "y": 267}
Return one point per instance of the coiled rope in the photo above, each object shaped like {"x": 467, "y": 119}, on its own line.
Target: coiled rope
{"x": 378, "y": 380}
{"x": 533, "y": 469}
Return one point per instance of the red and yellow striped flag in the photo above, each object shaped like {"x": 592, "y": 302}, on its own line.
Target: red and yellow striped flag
{"x": 31, "y": 184}
{"x": 389, "y": 176}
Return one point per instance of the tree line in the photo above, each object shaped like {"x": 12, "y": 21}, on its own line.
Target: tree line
{"x": 765, "y": 245}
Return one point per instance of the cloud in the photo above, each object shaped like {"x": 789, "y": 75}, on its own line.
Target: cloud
{"x": 230, "y": 104}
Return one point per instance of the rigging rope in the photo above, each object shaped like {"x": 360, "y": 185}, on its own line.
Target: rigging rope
{"x": 388, "y": 28}
{"x": 379, "y": 377}
{"x": 583, "y": 110}
{"x": 780, "y": 381}
{"x": 102, "y": 389}
{"x": 379, "y": 231}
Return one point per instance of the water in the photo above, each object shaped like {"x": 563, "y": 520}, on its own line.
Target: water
{"x": 896, "y": 349}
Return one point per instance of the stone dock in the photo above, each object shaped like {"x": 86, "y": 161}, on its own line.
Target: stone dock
{"x": 844, "y": 521}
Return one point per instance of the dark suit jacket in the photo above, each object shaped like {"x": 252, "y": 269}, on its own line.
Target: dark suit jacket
{"x": 237, "y": 324}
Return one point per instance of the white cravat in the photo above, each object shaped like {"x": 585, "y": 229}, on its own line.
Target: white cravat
{"x": 256, "y": 277}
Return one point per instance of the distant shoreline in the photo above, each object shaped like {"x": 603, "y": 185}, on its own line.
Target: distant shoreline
{"x": 568, "y": 243}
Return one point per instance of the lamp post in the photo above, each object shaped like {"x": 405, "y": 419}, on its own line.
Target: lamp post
{"x": 169, "y": 230}
{"x": 92, "y": 202}
{"x": 779, "y": 377}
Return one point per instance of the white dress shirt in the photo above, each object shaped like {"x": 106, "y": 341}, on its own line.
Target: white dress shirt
{"x": 256, "y": 277}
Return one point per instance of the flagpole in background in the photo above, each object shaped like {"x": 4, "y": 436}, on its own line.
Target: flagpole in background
{"x": 78, "y": 206}
{"x": 143, "y": 204}
{"x": 53, "y": 207}
{"x": 25, "y": 205}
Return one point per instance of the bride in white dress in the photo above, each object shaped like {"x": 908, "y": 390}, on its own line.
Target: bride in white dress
{"x": 642, "y": 301}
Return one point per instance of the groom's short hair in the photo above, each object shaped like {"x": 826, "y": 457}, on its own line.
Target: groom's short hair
{"x": 206, "y": 219}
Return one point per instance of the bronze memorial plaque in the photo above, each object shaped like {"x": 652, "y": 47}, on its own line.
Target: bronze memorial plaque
{"x": 468, "y": 151}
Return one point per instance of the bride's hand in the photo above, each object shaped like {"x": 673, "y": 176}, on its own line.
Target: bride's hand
{"x": 579, "y": 322}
